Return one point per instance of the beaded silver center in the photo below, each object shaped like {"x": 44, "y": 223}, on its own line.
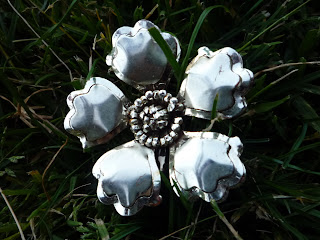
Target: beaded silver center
{"x": 156, "y": 118}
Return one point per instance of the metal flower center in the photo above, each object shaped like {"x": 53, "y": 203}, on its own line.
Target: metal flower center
{"x": 156, "y": 118}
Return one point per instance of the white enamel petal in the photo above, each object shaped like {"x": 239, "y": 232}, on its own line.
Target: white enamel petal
{"x": 137, "y": 59}
{"x": 97, "y": 112}
{"x": 128, "y": 178}
{"x": 216, "y": 73}
{"x": 206, "y": 165}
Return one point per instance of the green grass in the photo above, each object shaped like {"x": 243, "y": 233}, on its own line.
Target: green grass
{"x": 46, "y": 176}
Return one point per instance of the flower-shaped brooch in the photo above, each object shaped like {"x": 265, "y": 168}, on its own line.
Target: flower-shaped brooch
{"x": 201, "y": 164}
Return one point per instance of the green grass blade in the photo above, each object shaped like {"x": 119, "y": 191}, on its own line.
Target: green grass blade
{"x": 193, "y": 38}
{"x": 265, "y": 107}
{"x": 102, "y": 229}
{"x": 166, "y": 50}
{"x": 252, "y": 8}
{"x": 49, "y": 75}
{"x": 289, "y": 165}
{"x": 125, "y": 233}
{"x": 181, "y": 11}
{"x": 310, "y": 88}
{"x": 224, "y": 219}
{"x": 93, "y": 68}
{"x": 285, "y": 223}
{"x": 296, "y": 145}
{"x": 272, "y": 25}
{"x": 214, "y": 107}
{"x": 51, "y": 30}
{"x": 307, "y": 112}
{"x": 302, "y": 149}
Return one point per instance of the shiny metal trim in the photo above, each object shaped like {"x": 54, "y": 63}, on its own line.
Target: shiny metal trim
{"x": 97, "y": 112}
{"x": 128, "y": 178}
{"x": 216, "y": 73}
{"x": 138, "y": 60}
{"x": 206, "y": 165}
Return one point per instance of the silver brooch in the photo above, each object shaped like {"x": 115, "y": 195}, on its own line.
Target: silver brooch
{"x": 201, "y": 164}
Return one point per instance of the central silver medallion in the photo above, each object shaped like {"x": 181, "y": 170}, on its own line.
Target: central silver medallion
{"x": 156, "y": 118}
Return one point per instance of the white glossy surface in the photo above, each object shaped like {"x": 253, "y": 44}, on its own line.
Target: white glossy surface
{"x": 216, "y": 73}
{"x": 137, "y": 59}
{"x": 128, "y": 178}
{"x": 206, "y": 165}
{"x": 95, "y": 112}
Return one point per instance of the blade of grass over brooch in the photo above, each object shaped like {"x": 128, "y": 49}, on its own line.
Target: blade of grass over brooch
{"x": 166, "y": 50}
{"x": 214, "y": 107}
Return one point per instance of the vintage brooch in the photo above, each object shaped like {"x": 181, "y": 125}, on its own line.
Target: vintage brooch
{"x": 201, "y": 164}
